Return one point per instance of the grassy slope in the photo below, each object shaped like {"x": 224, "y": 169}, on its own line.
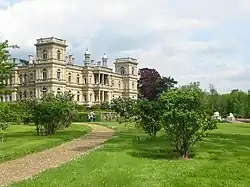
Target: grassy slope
{"x": 131, "y": 161}
{"x": 21, "y": 140}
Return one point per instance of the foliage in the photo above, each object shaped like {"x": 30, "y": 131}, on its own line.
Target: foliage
{"x": 236, "y": 102}
{"x": 164, "y": 84}
{"x": 83, "y": 117}
{"x": 151, "y": 84}
{"x": 6, "y": 67}
{"x": 186, "y": 119}
{"x": 54, "y": 112}
{"x": 105, "y": 105}
{"x": 148, "y": 114}
{"x": 95, "y": 107}
{"x": 147, "y": 83}
{"x": 124, "y": 107}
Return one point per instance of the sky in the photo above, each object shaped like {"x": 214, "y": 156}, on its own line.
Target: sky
{"x": 190, "y": 40}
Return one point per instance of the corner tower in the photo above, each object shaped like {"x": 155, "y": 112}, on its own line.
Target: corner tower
{"x": 127, "y": 69}
{"x": 50, "y": 50}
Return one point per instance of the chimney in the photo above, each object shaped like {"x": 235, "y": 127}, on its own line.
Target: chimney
{"x": 70, "y": 59}
{"x": 67, "y": 59}
{"x": 31, "y": 59}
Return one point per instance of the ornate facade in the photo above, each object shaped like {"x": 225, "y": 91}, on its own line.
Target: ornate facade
{"x": 54, "y": 71}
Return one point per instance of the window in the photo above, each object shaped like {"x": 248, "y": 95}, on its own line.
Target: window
{"x": 122, "y": 71}
{"x": 31, "y": 76}
{"x": 25, "y": 78}
{"x": 44, "y": 73}
{"x": 85, "y": 97}
{"x": 78, "y": 79}
{"x": 25, "y": 94}
{"x": 133, "y": 70}
{"x": 119, "y": 84}
{"x": 10, "y": 97}
{"x": 45, "y": 55}
{"x": 21, "y": 79}
{"x": 78, "y": 96}
{"x": 20, "y": 95}
{"x": 58, "y": 74}
{"x": 31, "y": 94}
{"x": 69, "y": 78}
{"x": 58, "y": 53}
{"x": 85, "y": 80}
{"x": 44, "y": 90}
{"x": 133, "y": 85}
{"x": 58, "y": 91}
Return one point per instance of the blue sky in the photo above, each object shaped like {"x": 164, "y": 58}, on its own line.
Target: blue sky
{"x": 192, "y": 40}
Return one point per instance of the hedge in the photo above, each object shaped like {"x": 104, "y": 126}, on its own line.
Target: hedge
{"x": 83, "y": 117}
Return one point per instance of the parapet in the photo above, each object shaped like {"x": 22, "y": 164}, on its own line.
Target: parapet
{"x": 50, "y": 40}
{"x": 126, "y": 60}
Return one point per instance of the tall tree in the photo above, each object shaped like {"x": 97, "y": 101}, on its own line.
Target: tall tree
{"x": 164, "y": 84}
{"x": 147, "y": 83}
{"x": 5, "y": 66}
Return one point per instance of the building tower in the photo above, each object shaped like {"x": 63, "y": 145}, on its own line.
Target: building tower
{"x": 87, "y": 60}
{"x": 50, "y": 49}
{"x": 127, "y": 67}
{"x": 105, "y": 60}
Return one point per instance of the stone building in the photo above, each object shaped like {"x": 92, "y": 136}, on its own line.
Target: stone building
{"x": 54, "y": 71}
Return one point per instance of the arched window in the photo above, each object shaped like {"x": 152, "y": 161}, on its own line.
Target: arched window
{"x": 58, "y": 74}
{"x": 58, "y": 91}
{"x": 122, "y": 71}
{"x": 58, "y": 53}
{"x": 78, "y": 96}
{"x": 69, "y": 78}
{"x": 45, "y": 54}
{"x": 44, "y": 90}
{"x": 44, "y": 73}
{"x": 133, "y": 70}
{"x": 78, "y": 79}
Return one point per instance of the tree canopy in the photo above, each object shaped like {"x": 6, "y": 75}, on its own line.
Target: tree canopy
{"x": 6, "y": 67}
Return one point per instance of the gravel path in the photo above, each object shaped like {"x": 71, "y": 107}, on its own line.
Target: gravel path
{"x": 25, "y": 167}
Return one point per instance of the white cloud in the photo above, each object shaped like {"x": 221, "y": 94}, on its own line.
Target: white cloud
{"x": 162, "y": 34}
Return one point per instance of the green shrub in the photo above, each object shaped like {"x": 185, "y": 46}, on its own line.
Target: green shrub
{"x": 83, "y": 117}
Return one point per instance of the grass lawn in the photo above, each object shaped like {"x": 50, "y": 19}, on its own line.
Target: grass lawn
{"x": 130, "y": 159}
{"x": 21, "y": 140}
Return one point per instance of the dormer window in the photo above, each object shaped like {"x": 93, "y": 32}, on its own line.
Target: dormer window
{"x": 45, "y": 54}
{"x": 58, "y": 53}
